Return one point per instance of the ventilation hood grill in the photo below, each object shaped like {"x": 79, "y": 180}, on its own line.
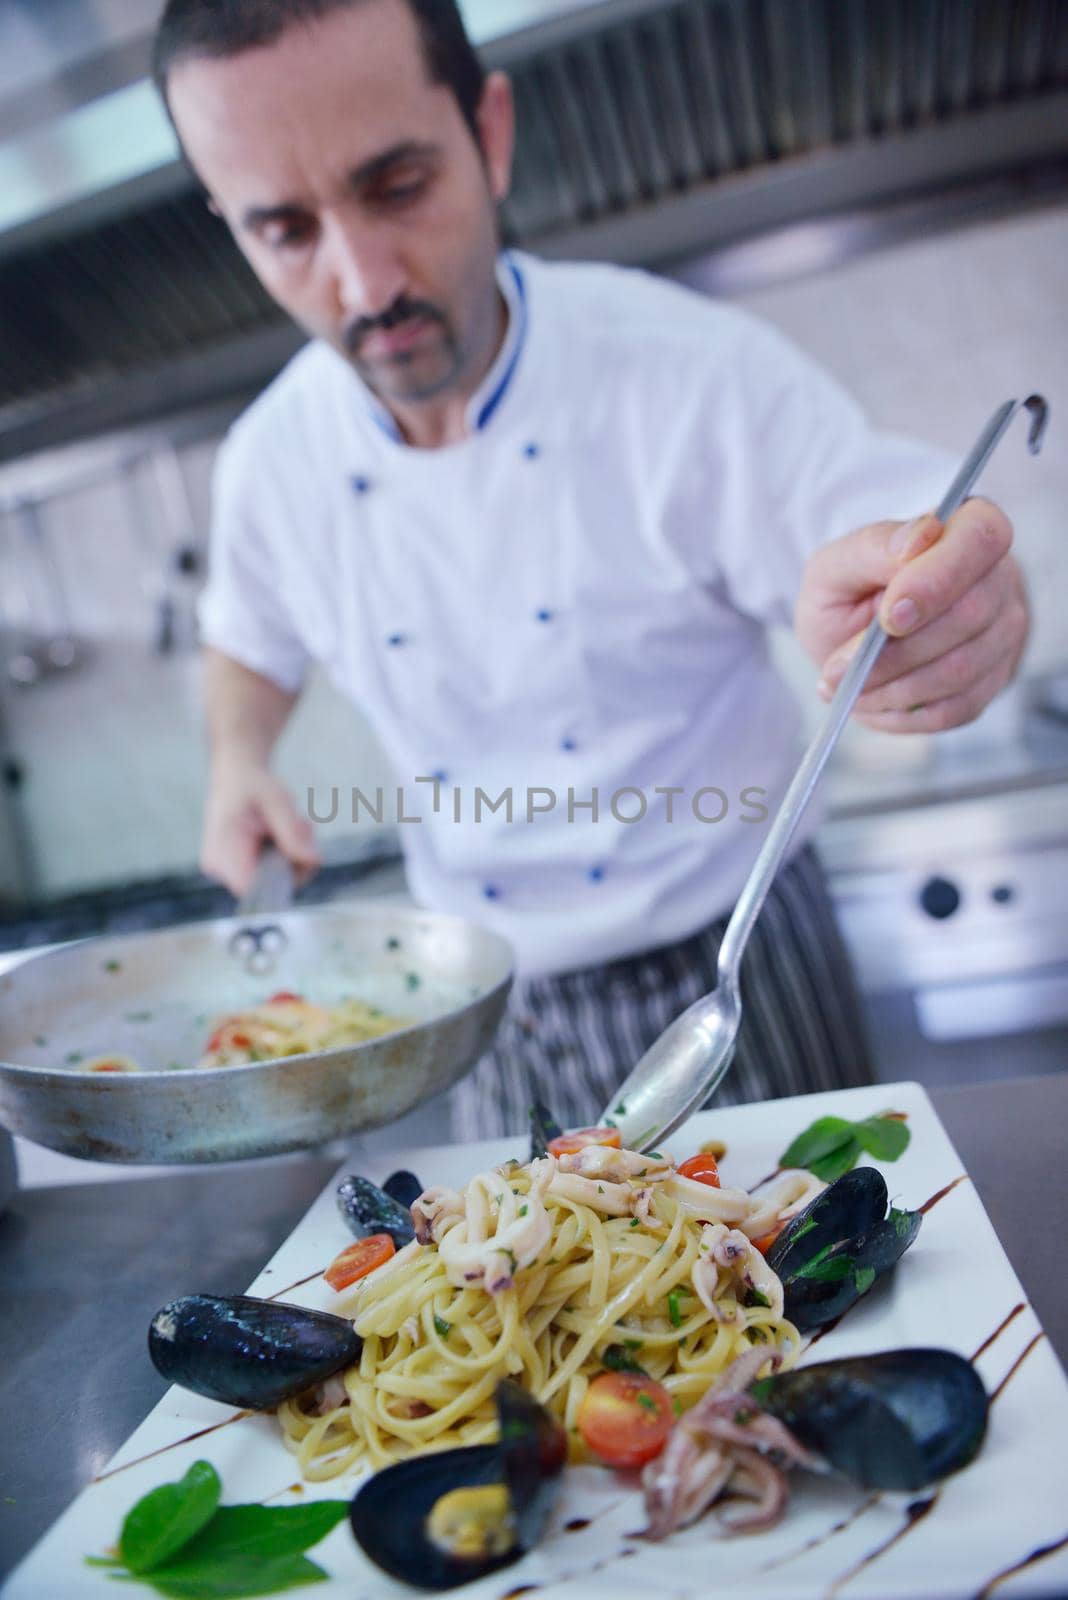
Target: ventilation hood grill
{"x": 647, "y": 128}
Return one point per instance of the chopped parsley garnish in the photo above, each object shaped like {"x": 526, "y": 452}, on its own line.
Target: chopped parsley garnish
{"x": 619, "y": 1358}
{"x": 441, "y": 1327}
{"x": 647, "y": 1402}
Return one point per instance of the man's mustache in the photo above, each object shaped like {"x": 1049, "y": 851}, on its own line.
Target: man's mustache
{"x": 402, "y": 310}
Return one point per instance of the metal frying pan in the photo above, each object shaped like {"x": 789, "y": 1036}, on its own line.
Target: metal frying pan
{"x": 156, "y": 996}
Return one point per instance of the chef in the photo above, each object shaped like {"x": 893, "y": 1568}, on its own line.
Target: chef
{"x": 535, "y": 520}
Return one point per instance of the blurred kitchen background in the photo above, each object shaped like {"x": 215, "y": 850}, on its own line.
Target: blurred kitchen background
{"x": 885, "y": 180}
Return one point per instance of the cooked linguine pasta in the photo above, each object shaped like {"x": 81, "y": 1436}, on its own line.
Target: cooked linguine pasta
{"x": 534, "y": 1272}
{"x": 288, "y": 1025}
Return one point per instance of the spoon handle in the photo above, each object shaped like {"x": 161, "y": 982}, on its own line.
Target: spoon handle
{"x": 802, "y": 787}
{"x": 689, "y": 1060}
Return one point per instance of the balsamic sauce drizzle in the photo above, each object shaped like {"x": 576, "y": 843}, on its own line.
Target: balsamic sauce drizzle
{"x": 914, "y": 1513}
{"x": 1019, "y": 1566}
{"x": 298, "y": 1285}
{"x": 1020, "y": 1359}
{"x": 999, "y": 1330}
{"x": 941, "y": 1194}
{"x": 814, "y": 1543}
{"x": 828, "y": 1327}
{"x": 188, "y": 1439}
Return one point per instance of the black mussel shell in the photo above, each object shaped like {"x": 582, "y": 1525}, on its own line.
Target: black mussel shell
{"x": 825, "y": 1289}
{"x": 850, "y": 1205}
{"x": 832, "y": 1252}
{"x": 898, "y": 1420}
{"x": 404, "y": 1187}
{"x": 367, "y": 1209}
{"x": 533, "y": 1450}
{"x": 247, "y": 1352}
{"x": 543, "y": 1130}
{"x": 389, "y": 1513}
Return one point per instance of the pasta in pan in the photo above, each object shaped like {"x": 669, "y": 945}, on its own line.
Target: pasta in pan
{"x": 289, "y": 1025}
{"x": 534, "y": 1272}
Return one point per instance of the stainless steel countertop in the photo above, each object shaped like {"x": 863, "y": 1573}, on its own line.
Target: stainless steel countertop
{"x": 82, "y": 1269}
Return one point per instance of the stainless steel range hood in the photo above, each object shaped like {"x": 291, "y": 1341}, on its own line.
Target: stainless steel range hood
{"x": 82, "y": 131}
{"x": 647, "y": 129}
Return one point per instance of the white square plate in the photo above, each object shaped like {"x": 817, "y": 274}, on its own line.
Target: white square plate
{"x": 954, "y": 1288}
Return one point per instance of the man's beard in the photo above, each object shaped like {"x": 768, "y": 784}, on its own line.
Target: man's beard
{"x": 403, "y": 375}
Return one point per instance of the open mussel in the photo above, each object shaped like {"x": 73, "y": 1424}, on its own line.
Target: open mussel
{"x": 248, "y": 1352}
{"x": 367, "y": 1209}
{"x": 832, "y": 1252}
{"x": 449, "y": 1517}
{"x": 898, "y": 1420}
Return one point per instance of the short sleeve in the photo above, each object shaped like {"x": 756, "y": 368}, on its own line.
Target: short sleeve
{"x": 242, "y": 611}
{"x": 809, "y": 468}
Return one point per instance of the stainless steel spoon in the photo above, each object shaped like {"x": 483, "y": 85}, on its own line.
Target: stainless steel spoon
{"x": 688, "y": 1062}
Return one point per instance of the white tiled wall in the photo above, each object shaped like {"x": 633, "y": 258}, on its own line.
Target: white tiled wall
{"x": 930, "y": 336}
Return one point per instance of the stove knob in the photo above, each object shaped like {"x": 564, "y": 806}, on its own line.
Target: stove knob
{"x": 939, "y": 897}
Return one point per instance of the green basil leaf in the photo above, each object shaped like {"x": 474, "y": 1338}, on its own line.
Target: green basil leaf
{"x": 885, "y": 1138}
{"x": 264, "y": 1532}
{"x": 165, "y": 1519}
{"x": 235, "y": 1577}
{"x": 824, "y": 1136}
{"x": 836, "y": 1162}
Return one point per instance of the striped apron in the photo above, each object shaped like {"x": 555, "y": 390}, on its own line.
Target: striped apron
{"x": 570, "y": 1039}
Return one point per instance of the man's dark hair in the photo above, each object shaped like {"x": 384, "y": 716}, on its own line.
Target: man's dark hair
{"x": 220, "y": 28}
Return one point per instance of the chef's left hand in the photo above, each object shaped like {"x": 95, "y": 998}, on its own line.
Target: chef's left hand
{"x": 953, "y": 598}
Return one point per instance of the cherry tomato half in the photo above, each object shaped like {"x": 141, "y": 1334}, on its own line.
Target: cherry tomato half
{"x": 625, "y": 1418}
{"x": 702, "y": 1168}
{"x": 110, "y": 1064}
{"x": 766, "y": 1240}
{"x": 359, "y": 1259}
{"x": 565, "y": 1144}
{"x": 284, "y": 997}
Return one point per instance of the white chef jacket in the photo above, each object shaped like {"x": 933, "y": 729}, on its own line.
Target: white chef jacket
{"x": 571, "y": 599}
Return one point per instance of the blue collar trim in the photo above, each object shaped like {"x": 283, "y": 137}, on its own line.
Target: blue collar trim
{"x": 519, "y": 316}
{"x": 514, "y": 290}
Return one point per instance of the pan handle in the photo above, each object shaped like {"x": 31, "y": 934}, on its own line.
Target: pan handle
{"x": 272, "y": 885}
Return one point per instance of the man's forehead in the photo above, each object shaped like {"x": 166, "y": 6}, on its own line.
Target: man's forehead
{"x": 326, "y": 97}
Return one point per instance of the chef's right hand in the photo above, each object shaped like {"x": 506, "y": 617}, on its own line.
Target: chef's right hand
{"x": 248, "y": 808}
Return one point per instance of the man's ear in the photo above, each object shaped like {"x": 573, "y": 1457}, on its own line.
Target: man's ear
{"x": 496, "y": 130}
